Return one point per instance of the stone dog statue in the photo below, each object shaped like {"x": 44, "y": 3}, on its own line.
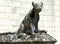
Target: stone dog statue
{"x": 30, "y": 23}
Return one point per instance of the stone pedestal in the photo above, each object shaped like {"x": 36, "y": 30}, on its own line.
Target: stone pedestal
{"x": 38, "y": 38}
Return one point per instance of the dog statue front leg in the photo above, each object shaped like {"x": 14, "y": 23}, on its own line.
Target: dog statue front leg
{"x": 36, "y": 27}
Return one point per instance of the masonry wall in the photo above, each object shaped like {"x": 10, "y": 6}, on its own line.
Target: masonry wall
{"x": 12, "y": 12}
{"x": 57, "y": 20}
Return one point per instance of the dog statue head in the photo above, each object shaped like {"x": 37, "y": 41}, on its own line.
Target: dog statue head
{"x": 37, "y": 6}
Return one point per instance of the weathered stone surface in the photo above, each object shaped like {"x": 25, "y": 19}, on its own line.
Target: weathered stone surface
{"x": 41, "y": 36}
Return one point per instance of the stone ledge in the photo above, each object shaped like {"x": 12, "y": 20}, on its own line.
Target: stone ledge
{"x": 38, "y": 38}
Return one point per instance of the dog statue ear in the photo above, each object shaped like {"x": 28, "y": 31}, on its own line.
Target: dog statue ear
{"x": 41, "y": 4}
{"x": 33, "y": 4}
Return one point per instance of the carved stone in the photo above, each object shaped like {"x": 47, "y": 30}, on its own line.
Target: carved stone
{"x": 28, "y": 32}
